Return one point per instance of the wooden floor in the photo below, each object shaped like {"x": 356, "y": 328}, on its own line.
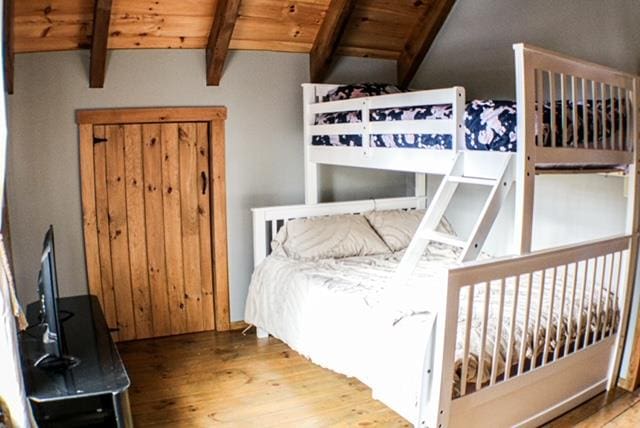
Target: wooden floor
{"x": 207, "y": 379}
{"x": 621, "y": 409}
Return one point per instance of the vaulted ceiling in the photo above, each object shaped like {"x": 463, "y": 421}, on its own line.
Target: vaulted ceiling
{"x": 400, "y": 30}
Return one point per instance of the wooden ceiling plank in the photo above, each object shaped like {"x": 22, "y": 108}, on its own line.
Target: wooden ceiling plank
{"x": 328, "y": 38}
{"x": 420, "y": 40}
{"x": 375, "y": 28}
{"x": 101, "y": 20}
{"x": 380, "y": 28}
{"x": 273, "y": 46}
{"x": 9, "y": 44}
{"x": 224, "y": 20}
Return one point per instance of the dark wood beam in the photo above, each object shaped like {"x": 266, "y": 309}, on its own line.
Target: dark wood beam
{"x": 328, "y": 38}
{"x": 7, "y": 45}
{"x": 101, "y": 20}
{"x": 224, "y": 19}
{"x": 420, "y": 40}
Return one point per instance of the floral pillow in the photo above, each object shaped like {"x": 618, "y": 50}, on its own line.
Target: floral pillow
{"x": 360, "y": 90}
{"x": 491, "y": 125}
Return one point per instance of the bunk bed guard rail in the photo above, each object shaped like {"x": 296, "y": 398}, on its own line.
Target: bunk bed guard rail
{"x": 591, "y": 120}
{"x": 506, "y": 319}
{"x": 367, "y": 155}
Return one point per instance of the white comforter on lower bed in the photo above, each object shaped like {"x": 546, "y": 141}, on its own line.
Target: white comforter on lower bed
{"x": 342, "y": 315}
{"x": 339, "y": 314}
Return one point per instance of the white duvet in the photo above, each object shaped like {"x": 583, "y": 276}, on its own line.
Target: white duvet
{"x": 342, "y": 315}
{"x": 338, "y": 314}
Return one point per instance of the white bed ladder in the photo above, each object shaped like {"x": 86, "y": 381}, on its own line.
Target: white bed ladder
{"x": 499, "y": 180}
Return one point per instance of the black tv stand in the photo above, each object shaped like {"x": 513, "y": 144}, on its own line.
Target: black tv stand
{"x": 88, "y": 389}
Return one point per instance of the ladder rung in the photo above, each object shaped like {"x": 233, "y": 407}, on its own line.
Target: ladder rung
{"x": 445, "y": 238}
{"x": 472, "y": 180}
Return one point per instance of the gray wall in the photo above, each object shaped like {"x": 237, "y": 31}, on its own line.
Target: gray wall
{"x": 474, "y": 47}
{"x": 264, "y": 145}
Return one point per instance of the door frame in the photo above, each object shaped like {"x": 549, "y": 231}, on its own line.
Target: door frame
{"x": 216, "y": 117}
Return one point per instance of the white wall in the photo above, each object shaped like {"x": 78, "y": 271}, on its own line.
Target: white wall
{"x": 264, "y": 144}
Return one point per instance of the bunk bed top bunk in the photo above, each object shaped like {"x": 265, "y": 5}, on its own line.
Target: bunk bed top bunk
{"x": 580, "y": 115}
{"x": 513, "y": 341}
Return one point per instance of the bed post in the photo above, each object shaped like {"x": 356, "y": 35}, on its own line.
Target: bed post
{"x": 632, "y": 228}
{"x": 310, "y": 168}
{"x": 421, "y": 190}
{"x": 459, "y": 107}
{"x": 259, "y": 236}
{"x": 525, "y": 170}
{"x": 437, "y": 373}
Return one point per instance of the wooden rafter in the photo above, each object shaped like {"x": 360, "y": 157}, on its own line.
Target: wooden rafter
{"x": 420, "y": 40}
{"x": 328, "y": 38}
{"x": 101, "y": 19}
{"x": 224, "y": 20}
{"x": 8, "y": 45}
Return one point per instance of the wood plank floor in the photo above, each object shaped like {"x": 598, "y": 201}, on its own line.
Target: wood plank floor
{"x": 619, "y": 409}
{"x": 207, "y": 379}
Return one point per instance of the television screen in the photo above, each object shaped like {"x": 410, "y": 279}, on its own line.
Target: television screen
{"x": 48, "y": 288}
{"x": 49, "y": 313}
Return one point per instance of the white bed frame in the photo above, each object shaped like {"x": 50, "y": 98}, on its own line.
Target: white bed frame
{"x": 420, "y": 162}
{"x": 529, "y": 396}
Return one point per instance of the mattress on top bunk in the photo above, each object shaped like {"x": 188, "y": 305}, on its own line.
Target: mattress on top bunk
{"x": 343, "y": 314}
{"x": 490, "y": 125}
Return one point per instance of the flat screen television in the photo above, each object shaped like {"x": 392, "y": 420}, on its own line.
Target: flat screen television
{"x": 53, "y": 336}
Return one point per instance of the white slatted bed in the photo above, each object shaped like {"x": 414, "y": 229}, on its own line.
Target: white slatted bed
{"x": 546, "y": 299}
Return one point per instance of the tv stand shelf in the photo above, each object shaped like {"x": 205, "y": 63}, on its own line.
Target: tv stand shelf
{"x": 92, "y": 392}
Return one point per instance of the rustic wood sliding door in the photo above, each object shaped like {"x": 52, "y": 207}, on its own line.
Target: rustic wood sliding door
{"x": 154, "y": 219}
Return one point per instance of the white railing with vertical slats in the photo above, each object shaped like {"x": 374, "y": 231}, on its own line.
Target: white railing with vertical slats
{"x": 516, "y": 315}
{"x": 367, "y": 155}
{"x": 505, "y": 329}
{"x": 595, "y": 103}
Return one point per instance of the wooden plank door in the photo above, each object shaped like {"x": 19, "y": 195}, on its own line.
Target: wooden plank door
{"x": 147, "y": 205}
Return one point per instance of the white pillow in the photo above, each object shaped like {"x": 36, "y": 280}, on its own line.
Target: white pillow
{"x": 327, "y": 237}
{"x": 397, "y": 227}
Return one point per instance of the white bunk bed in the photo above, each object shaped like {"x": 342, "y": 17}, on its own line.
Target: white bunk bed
{"x": 570, "y": 363}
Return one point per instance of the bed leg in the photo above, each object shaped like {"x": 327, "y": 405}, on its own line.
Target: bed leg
{"x": 261, "y": 333}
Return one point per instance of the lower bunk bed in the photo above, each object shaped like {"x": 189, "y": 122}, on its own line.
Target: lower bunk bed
{"x": 493, "y": 343}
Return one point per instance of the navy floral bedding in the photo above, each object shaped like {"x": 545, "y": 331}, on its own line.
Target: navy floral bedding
{"x": 489, "y": 124}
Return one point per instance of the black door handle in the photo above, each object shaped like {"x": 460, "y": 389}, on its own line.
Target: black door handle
{"x": 203, "y": 176}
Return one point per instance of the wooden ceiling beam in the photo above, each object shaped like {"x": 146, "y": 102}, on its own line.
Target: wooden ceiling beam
{"x": 325, "y": 45}
{"x": 101, "y": 20}
{"x": 224, "y": 20}
{"x": 420, "y": 40}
